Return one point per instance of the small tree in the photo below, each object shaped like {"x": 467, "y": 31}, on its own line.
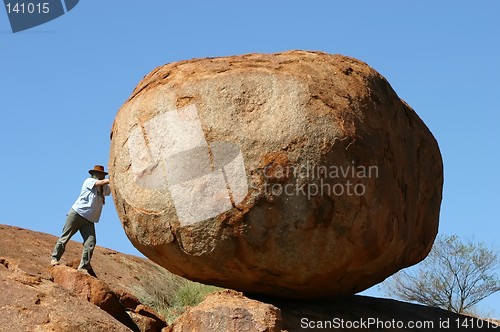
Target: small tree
{"x": 455, "y": 276}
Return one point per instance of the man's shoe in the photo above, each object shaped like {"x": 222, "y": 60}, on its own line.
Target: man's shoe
{"x": 84, "y": 271}
{"x": 54, "y": 262}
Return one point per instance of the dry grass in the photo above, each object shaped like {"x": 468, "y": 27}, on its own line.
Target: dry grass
{"x": 171, "y": 295}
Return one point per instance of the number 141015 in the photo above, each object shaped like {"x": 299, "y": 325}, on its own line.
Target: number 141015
{"x": 28, "y": 8}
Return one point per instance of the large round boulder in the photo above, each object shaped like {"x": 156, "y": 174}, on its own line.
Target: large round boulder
{"x": 298, "y": 174}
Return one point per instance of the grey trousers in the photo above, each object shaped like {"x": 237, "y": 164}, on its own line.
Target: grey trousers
{"x": 74, "y": 223}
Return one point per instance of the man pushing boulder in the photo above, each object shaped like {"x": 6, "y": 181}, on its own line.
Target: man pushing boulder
{"x": 83, "y": 216}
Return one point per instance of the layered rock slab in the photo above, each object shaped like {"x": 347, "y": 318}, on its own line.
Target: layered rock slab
{"x": 229, "y": 311}
{"x": 31, "y": 303}
{"x": 299, "y": 174}
{"x": 38, "y": 297}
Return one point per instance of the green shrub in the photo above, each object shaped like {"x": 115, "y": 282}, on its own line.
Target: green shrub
{"x": 171, "y": 295}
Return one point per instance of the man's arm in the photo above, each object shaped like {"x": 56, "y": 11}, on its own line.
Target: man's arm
{"x": 100, "y": 183}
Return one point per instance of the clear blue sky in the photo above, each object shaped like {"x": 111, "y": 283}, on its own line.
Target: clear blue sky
{"x": 62, "y": 83}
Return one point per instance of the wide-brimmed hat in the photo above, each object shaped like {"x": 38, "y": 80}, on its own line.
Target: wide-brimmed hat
{"x": 98, "y": 169}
